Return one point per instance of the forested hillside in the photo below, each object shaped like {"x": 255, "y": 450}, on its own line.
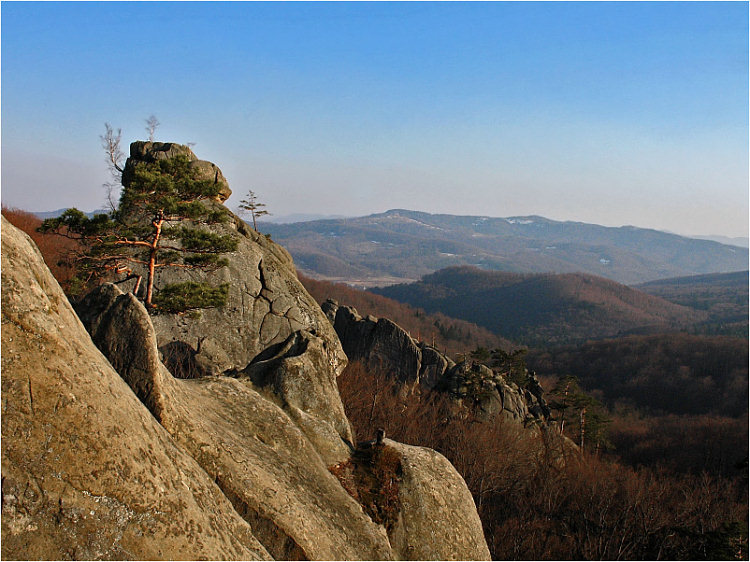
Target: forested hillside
{"x": 660, "y": 374}
{"x": 543, "y": 309}
{"x": 447, "y": 334}
{"x": 723, "y": 296}
{"x": 677, "y": 401}
{"x": 538, "y": 505}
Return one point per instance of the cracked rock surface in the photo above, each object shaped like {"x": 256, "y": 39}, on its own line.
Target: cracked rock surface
{"x": 106, "y": 454}
{"x": 87, "y": 472}
{"x": 266, "y": 304}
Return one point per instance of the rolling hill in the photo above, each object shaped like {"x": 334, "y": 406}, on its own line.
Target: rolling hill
{"x": 543, "y": 309}
{"x": 450, "y": 335}
{"x": 401, "y": 246}
{"x": 724, "y": 296}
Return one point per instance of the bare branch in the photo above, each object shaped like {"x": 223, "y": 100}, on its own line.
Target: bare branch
{"x": 111, "y": 145}
{"x": 151, "y": 124}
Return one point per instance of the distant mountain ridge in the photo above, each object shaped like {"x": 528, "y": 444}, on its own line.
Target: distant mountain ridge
{"x": 742, "y": 241}
{"x": 57, "y": 212}
{"x": 402, "y": 246}
{"x": 543, "y": 309}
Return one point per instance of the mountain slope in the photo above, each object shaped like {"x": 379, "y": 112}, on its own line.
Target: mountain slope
{"x": 542, "y": 309}
{"x": 723, "y": 295}
{"x": 402, "y": 246}
{"x": 448, "y": 334}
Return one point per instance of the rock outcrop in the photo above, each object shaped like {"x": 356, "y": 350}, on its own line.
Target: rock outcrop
{"x": 378, "y": 342}
{"x": 382, "y": 344}
{"x": 148, "y": 151}
{"x": 106, "y": 454}
{"x": 254, "y": 446}
{"x": 266, "y": 302}
{"x": 438, "y": 520}
{"x": 266, "y": 436}
{"x": 87, "y": 471}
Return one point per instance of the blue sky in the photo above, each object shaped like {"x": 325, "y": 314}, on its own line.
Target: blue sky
{"x": 612, "y": 113}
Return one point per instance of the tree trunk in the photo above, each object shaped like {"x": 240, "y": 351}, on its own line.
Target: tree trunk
{"x": 583, "y": 427}
{"x": 565, "y": 406}
{"x": 157, "y": 222}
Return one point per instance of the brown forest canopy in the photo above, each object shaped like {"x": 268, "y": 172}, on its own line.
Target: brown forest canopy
{"x": 675, "y": 373}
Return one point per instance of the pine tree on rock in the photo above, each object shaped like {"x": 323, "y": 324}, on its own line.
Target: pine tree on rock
{"x": 250, "y": 204}
{"x": 158, "y": 223}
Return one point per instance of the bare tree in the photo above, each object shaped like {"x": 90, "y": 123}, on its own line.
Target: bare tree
{"x": 250, "y": 204}
{"x": 151, "y": 124}
{"x": 111, "y": 145}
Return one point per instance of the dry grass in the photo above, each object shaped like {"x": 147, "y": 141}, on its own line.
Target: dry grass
{"x": 372, "y": 477}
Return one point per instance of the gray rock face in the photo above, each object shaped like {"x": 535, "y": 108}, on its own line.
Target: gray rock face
{"x": 378, "y": 342}
{"x": 382, "y": 344}
{"x": 434, "y": 366}
{"x": 266, "y": 304}
{"x": 296, "y": 372}
{"x": 88, "y": 473}
{"x": 266, "y": 437}
{"x": 438, "y": 518}
{"x": 147, "y": 151}
{"x": 477, "y": 384}
{"x": 127, "y": 339}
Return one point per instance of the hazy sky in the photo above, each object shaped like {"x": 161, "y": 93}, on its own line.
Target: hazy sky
{"x": 611, "y": 113}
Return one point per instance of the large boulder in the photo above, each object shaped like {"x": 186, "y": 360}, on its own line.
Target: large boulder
{"x": 87, "y": 471}
{"x": 438, "y": 519}
{"x": 147, "y": 151}
{"x": 295, "y": 372}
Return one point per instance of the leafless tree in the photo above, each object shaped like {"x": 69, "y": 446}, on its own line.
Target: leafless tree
{"x": 111, "y": 145}
{"x": 151, "y": 124}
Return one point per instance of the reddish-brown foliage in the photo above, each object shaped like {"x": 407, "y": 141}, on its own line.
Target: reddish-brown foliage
{"x": 536, "y": 502}
{"x": 372, "y": 477}
{"x": 661, "y": 374}
{"x": 54, "y": 248}
{"x": 447, "y": 334}
{"x": 714, "y": 444}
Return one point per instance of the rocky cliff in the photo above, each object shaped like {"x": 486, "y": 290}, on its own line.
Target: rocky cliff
{"x": 106, "y": 454}
{"x": 382, "y": 344}
{"x": 87, "y": 471}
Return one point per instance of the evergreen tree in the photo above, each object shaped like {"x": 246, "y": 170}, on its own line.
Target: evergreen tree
{"x": 156, "y": 225}
{"x": 250, "y": 204}
{"x": 576, "y": 406}
{"x": 511, "y": 365}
